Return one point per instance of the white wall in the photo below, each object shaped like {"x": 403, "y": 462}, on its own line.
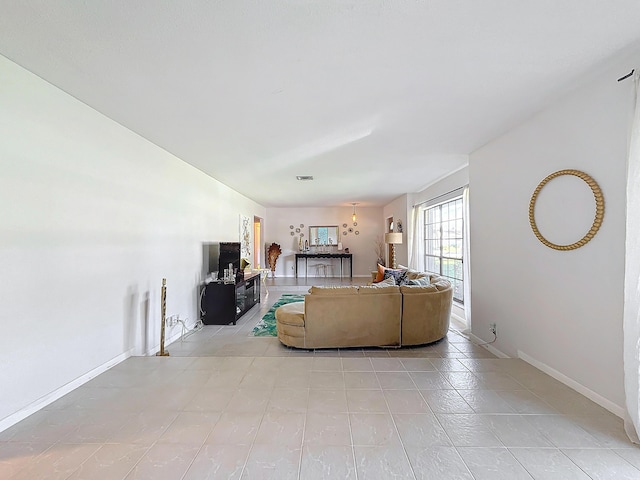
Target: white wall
{"x": 370, "y": 224}
{"x": 562, "y": 309}
{"x": 92, "y": 218}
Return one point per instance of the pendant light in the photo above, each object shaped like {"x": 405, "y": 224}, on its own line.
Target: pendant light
{"x": 353, "y": 217}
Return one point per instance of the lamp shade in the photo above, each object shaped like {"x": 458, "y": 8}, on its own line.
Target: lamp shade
{"x": 392, "y": 237}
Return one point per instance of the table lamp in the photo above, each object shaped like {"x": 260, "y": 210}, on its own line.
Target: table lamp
{"x": 393, "y": 239}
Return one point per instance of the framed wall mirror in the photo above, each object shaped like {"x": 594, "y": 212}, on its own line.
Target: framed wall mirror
{"x": 323, "y": 235}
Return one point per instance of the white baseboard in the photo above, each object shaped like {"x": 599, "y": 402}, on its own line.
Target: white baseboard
{"x": 578, "y": 387}
{"x": 60, "y": 392}
{"x": 169, "y": 340}
{"x": 460, "y": 319}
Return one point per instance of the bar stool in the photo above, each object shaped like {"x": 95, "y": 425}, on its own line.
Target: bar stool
{"x": 321, "y": 268}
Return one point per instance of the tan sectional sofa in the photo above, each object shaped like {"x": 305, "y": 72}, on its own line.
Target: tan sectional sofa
{"x": 366, "y": 316}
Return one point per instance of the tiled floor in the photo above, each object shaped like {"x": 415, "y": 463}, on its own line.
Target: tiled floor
{"x": 227, "y": 405}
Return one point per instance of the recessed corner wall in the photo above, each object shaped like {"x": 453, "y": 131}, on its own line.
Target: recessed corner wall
{"x": 93, "y": 217}
{"x": 369, "y": 225}
{"x": 561, "y": 308}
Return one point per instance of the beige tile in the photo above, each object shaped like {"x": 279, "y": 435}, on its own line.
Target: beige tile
{"x": 16, "y": 456}
{"x": 327, "y": 462}
{"x": 249, "y": 400}
{"x": 326, "y": 364}
{"x": 367, "y": 401}
{"x": 288, "y": 400}
{"x": 446, "y": 401}
{"x": 57, "y": 463}
{"x": 468, "y": 431}
{"x": 210, "y": 400}
{"x": 396, "y": 380}
{"x": 235, "y": 429}
{"x": 525, "y": 401}
{"x": 272, "y": 462}
{"x": 406, "y": 401}
{"x": 421, "y": 430}
{"x": 326, "y": 380}
{"x": 548, "y": 463}
{"x": 144, "y": 428}
{"x": 327, "y": 401}
{"x": 366, "y": 380}
{"x": 387, "y": 365}
{"x": 602, "y": 463}
{"x": 430, "y": 380}
{"x": 516, "y": 431}
{"x": 164, "y": 461}
{"x": 493, "y": 464}
{"x": 563, "y": 431}
{"x": 111, "y": 461}
{"x": 190, "y": 428}
{"x": 281, "y": 429}
{"x": 292, "y": 379}
{"x": 218, "y": 462}
{"x": 357, "y": 365}
{"x": 382, "y": 463}
{"x": 327, "y": 429}
{"x": 373, "y": 429}
{"x": 486, "y": 401}
{"x": 437, "y": 462}
{"x": 418, "y": 365}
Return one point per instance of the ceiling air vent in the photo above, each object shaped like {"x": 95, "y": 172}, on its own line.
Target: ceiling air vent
{"x": 304, "y": 177}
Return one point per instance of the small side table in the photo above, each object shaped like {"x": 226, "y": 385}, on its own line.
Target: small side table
{"x": 263, "y": 275}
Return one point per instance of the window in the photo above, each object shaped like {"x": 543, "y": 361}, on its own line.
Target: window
{"x": 443, "y": 243}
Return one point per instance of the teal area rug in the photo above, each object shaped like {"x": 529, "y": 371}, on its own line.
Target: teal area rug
{"x": 267, "y": 326}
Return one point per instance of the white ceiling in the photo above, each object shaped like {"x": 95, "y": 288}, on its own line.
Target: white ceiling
{"x": 374, "y": 98}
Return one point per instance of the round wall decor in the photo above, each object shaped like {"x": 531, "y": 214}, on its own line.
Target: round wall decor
{"x": 597, "y": 221}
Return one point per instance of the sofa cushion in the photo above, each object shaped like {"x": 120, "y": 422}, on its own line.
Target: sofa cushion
{"x": 333, "y": 290}
{"x": 440, "y": 283}
{"x": 418, "y": 289}
{"x": 377, "y": 289}
{"x": 422, "y": 281}
{"x": 291, "y": 314}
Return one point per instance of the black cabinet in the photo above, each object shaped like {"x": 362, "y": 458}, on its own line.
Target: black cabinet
{"x": 224, "y": 303}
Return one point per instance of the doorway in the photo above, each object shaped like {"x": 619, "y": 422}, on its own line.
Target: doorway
{"x": 257, "y": 241}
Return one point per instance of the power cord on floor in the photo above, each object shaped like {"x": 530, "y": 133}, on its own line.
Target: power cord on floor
{"x": 495, "y": 337}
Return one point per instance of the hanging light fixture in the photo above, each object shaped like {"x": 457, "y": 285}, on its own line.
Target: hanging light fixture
{"x": 353, "y": 217}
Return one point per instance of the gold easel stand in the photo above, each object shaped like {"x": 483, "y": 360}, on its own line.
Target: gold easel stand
{"x": 163, "y": 309}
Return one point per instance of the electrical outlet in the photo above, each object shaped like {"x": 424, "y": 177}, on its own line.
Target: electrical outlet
{"x": 492, "y": 326}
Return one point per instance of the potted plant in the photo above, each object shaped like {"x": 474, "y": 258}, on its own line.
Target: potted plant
{"x": 273, "y": 252}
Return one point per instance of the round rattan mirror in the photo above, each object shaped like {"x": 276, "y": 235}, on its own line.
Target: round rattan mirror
{"x": 597, "y": 221}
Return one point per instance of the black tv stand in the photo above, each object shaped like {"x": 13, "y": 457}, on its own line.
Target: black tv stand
{"x": 224, "y": 303}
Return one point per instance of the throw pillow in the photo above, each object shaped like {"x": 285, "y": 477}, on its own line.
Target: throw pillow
{"x": 382, "y": 270}
{"x": 380, "y": 275}
{"x": 400, "y": 276}
{"x": 390, "y": 280}
{"x": 422, "y": 281}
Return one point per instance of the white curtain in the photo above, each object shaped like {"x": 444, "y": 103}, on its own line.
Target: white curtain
{"x": 631, "y": 321}
{"x": 466, "y": 256}
{"x": 415, "y": 256}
